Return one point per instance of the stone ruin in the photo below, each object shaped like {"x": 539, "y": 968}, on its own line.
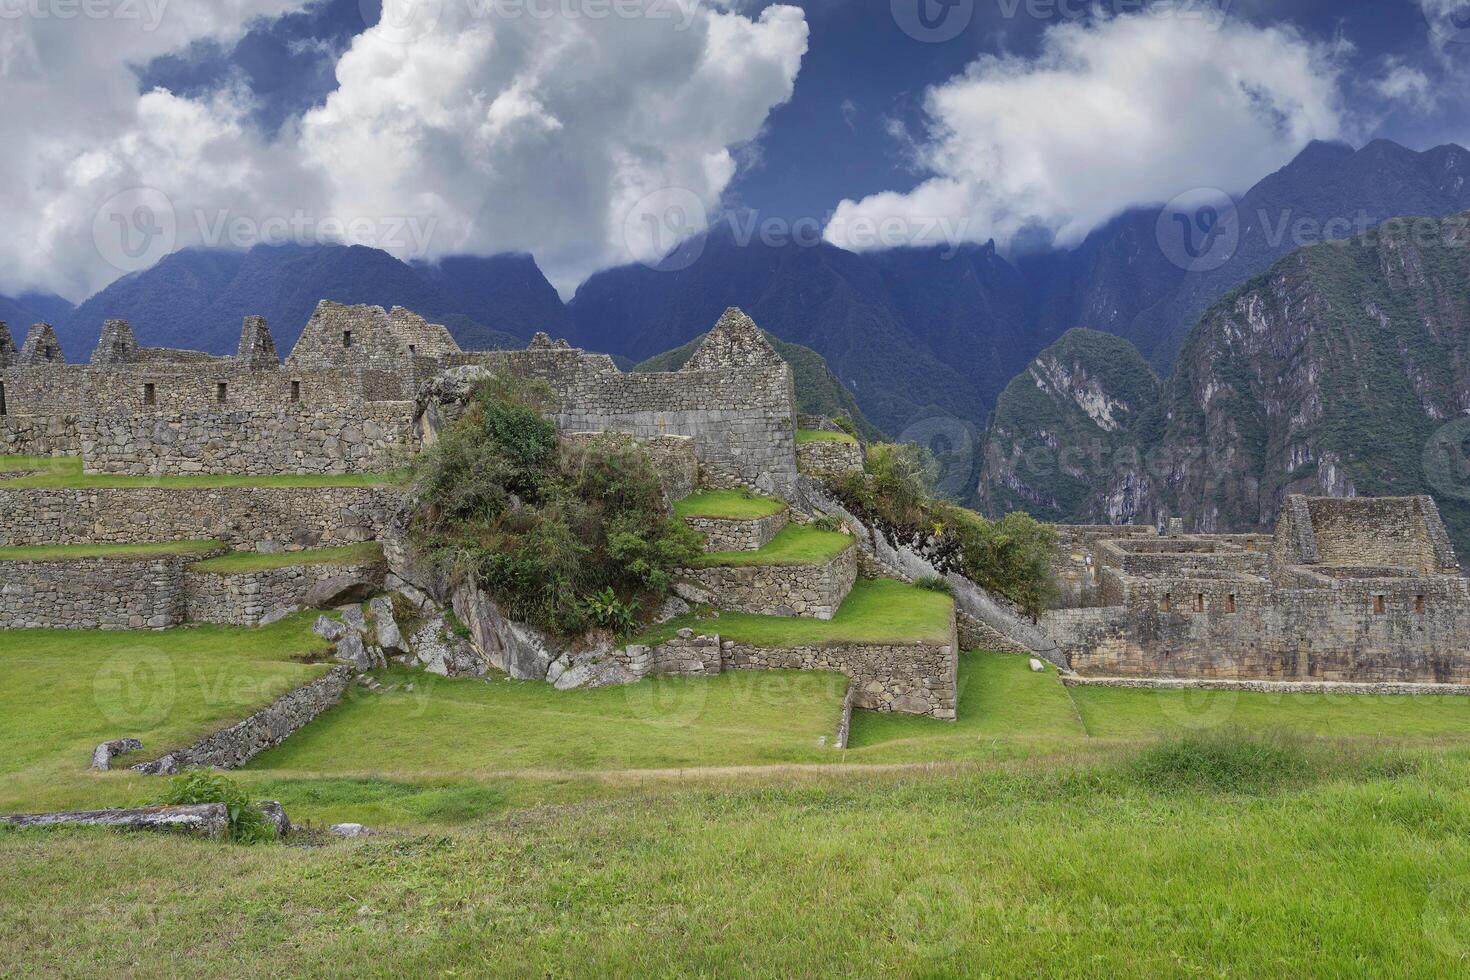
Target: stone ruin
{"x": 1362, "y": 590}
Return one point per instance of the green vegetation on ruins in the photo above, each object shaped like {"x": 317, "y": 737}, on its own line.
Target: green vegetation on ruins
{"x": 880, "y": 611}
{"x": 1011, "y": 556}
{"x": 65, "y": 473}
{"x": 795, "y": 545}
{"x": 804, "y": 436}
{"x": 74, "y": 552}
{"x": 243, "y": 562}
{"x": 568, "y": 536}
{"x": 729, "y": 505}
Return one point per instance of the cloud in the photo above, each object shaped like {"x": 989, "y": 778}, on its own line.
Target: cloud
{"x": 1402, "y": 83}
{"x": 1118, "y": 112}
{"x": 495, "y": 125}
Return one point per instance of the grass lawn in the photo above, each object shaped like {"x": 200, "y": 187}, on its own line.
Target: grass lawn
{"x": 70, "y": 552}
{"x": 795, "y": 545}
{"x": 66, "y": 691}
{"x": 729, "y": 505}
{"x": 737, "y": 718}
{"x": 20, "y": 464}
{"x": 821, "y": 435}
{"x": 241, "y": 562}
{"x": 66, "y": 474}
{"x": 881, "y": 611}
{"x": 1343, "y": 868}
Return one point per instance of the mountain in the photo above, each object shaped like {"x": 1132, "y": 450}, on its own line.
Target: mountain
{"x": 196, "y": 298}
{"x": 1120, "y": 281}
{"x": 20, "y": 312}
{"x": 1335, "y": 372}
{"x": 818, "y": 392}
{"x": 919, "y": 333}
{"x": 1072, "y": 416}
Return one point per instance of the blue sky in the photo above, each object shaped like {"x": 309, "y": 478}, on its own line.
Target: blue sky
{"x": 567, "y": 135}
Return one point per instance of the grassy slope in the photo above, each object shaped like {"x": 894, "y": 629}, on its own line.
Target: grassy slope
{"x": 734, "y": 505}
{"x": 68, "y": 552}
{"x": 1069, "y": 871}
{"x": 64, "y": 692}
{"x": 66, "y": 473}
{"x": 239, "y": 562}
{"x": 795, "y": 545}
{"x": 821, "y": 435}
{"x": 875, "y": 612}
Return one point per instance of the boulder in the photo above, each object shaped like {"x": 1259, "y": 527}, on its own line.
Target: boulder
{"x": 339, "y": 589}
{"x": 390, "y": 637}
{"x": 203, "y": 820}
{"x": 354, "y": 619}
{"x": 167, "y": 765}
{"x": 673, "y": 608}
{"x": 521, "y": 651}
{"x": 351, "y": 830}
{"x": 103, "y": 754}
{"x": 275, "y": 815}
{"x": 350, "y": 650}
{"x": 329, "y": 629}
{"x": 276, "y": 615}
{"x": 1038, "y": 666}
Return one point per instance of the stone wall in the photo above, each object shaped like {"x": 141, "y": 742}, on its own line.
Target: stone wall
{"x": 266, "y": 729}
{"x": 244, "y": 599}
{"x": 93, "y": 593}
{"x": 39, "y": 435}
{"x": 744, "y": 535}
{"x": 373, "y": 437}
{"x": 829, "y": 456}
{"x": 814, "y": 591}
{"x": 247, "y": 518}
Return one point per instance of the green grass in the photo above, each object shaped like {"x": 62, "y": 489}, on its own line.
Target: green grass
{"x": 21, "y": 464}
{"x": 804, "y": 436}
{"x": 875, "y": 612}
{"x": 729, "y": 505}
{"x": 242, "y": 562}
{"x": 1349, "y": 869}
{"x": 738, "y": 718}
{"x": 66, "y": 474}
{"x": 66, "y": 691}
{"x": 71, "y": 552}
{"x": 795, "y": 545}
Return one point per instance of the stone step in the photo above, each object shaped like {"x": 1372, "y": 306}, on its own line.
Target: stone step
{"x": 732, "y": 520}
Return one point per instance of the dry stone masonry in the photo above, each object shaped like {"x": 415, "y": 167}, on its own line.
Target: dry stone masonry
{"x": 775, "y": 590}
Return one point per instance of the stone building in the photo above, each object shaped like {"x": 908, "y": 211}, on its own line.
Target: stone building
{"x": 1359, "y": 590}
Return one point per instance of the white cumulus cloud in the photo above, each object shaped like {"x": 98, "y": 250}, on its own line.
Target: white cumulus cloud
{"x": 1118, "y": 112}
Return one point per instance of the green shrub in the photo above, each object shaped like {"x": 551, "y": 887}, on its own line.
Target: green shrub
{"x": 248, "y": 824}
{"x": 1011, "y": 556}
{"x": 832, "y": 523}
{"x": 934, "y": 583}
{"x": 611, "y": 613}
{"x": 1224, "y": 761}
{"x": 845, "y": 424}
{"x": 543, "y": 525}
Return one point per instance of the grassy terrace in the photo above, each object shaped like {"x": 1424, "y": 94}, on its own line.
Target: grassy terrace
{"x": 875, "y": 612}
{"x": 71, "y": 552}
{"x": 729, "y": 505}
{"x": 804, "y": 436}
{"x": 795, "y": 545}
{"x": 243, "y": 562}
{"x": 66, "y": 474}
